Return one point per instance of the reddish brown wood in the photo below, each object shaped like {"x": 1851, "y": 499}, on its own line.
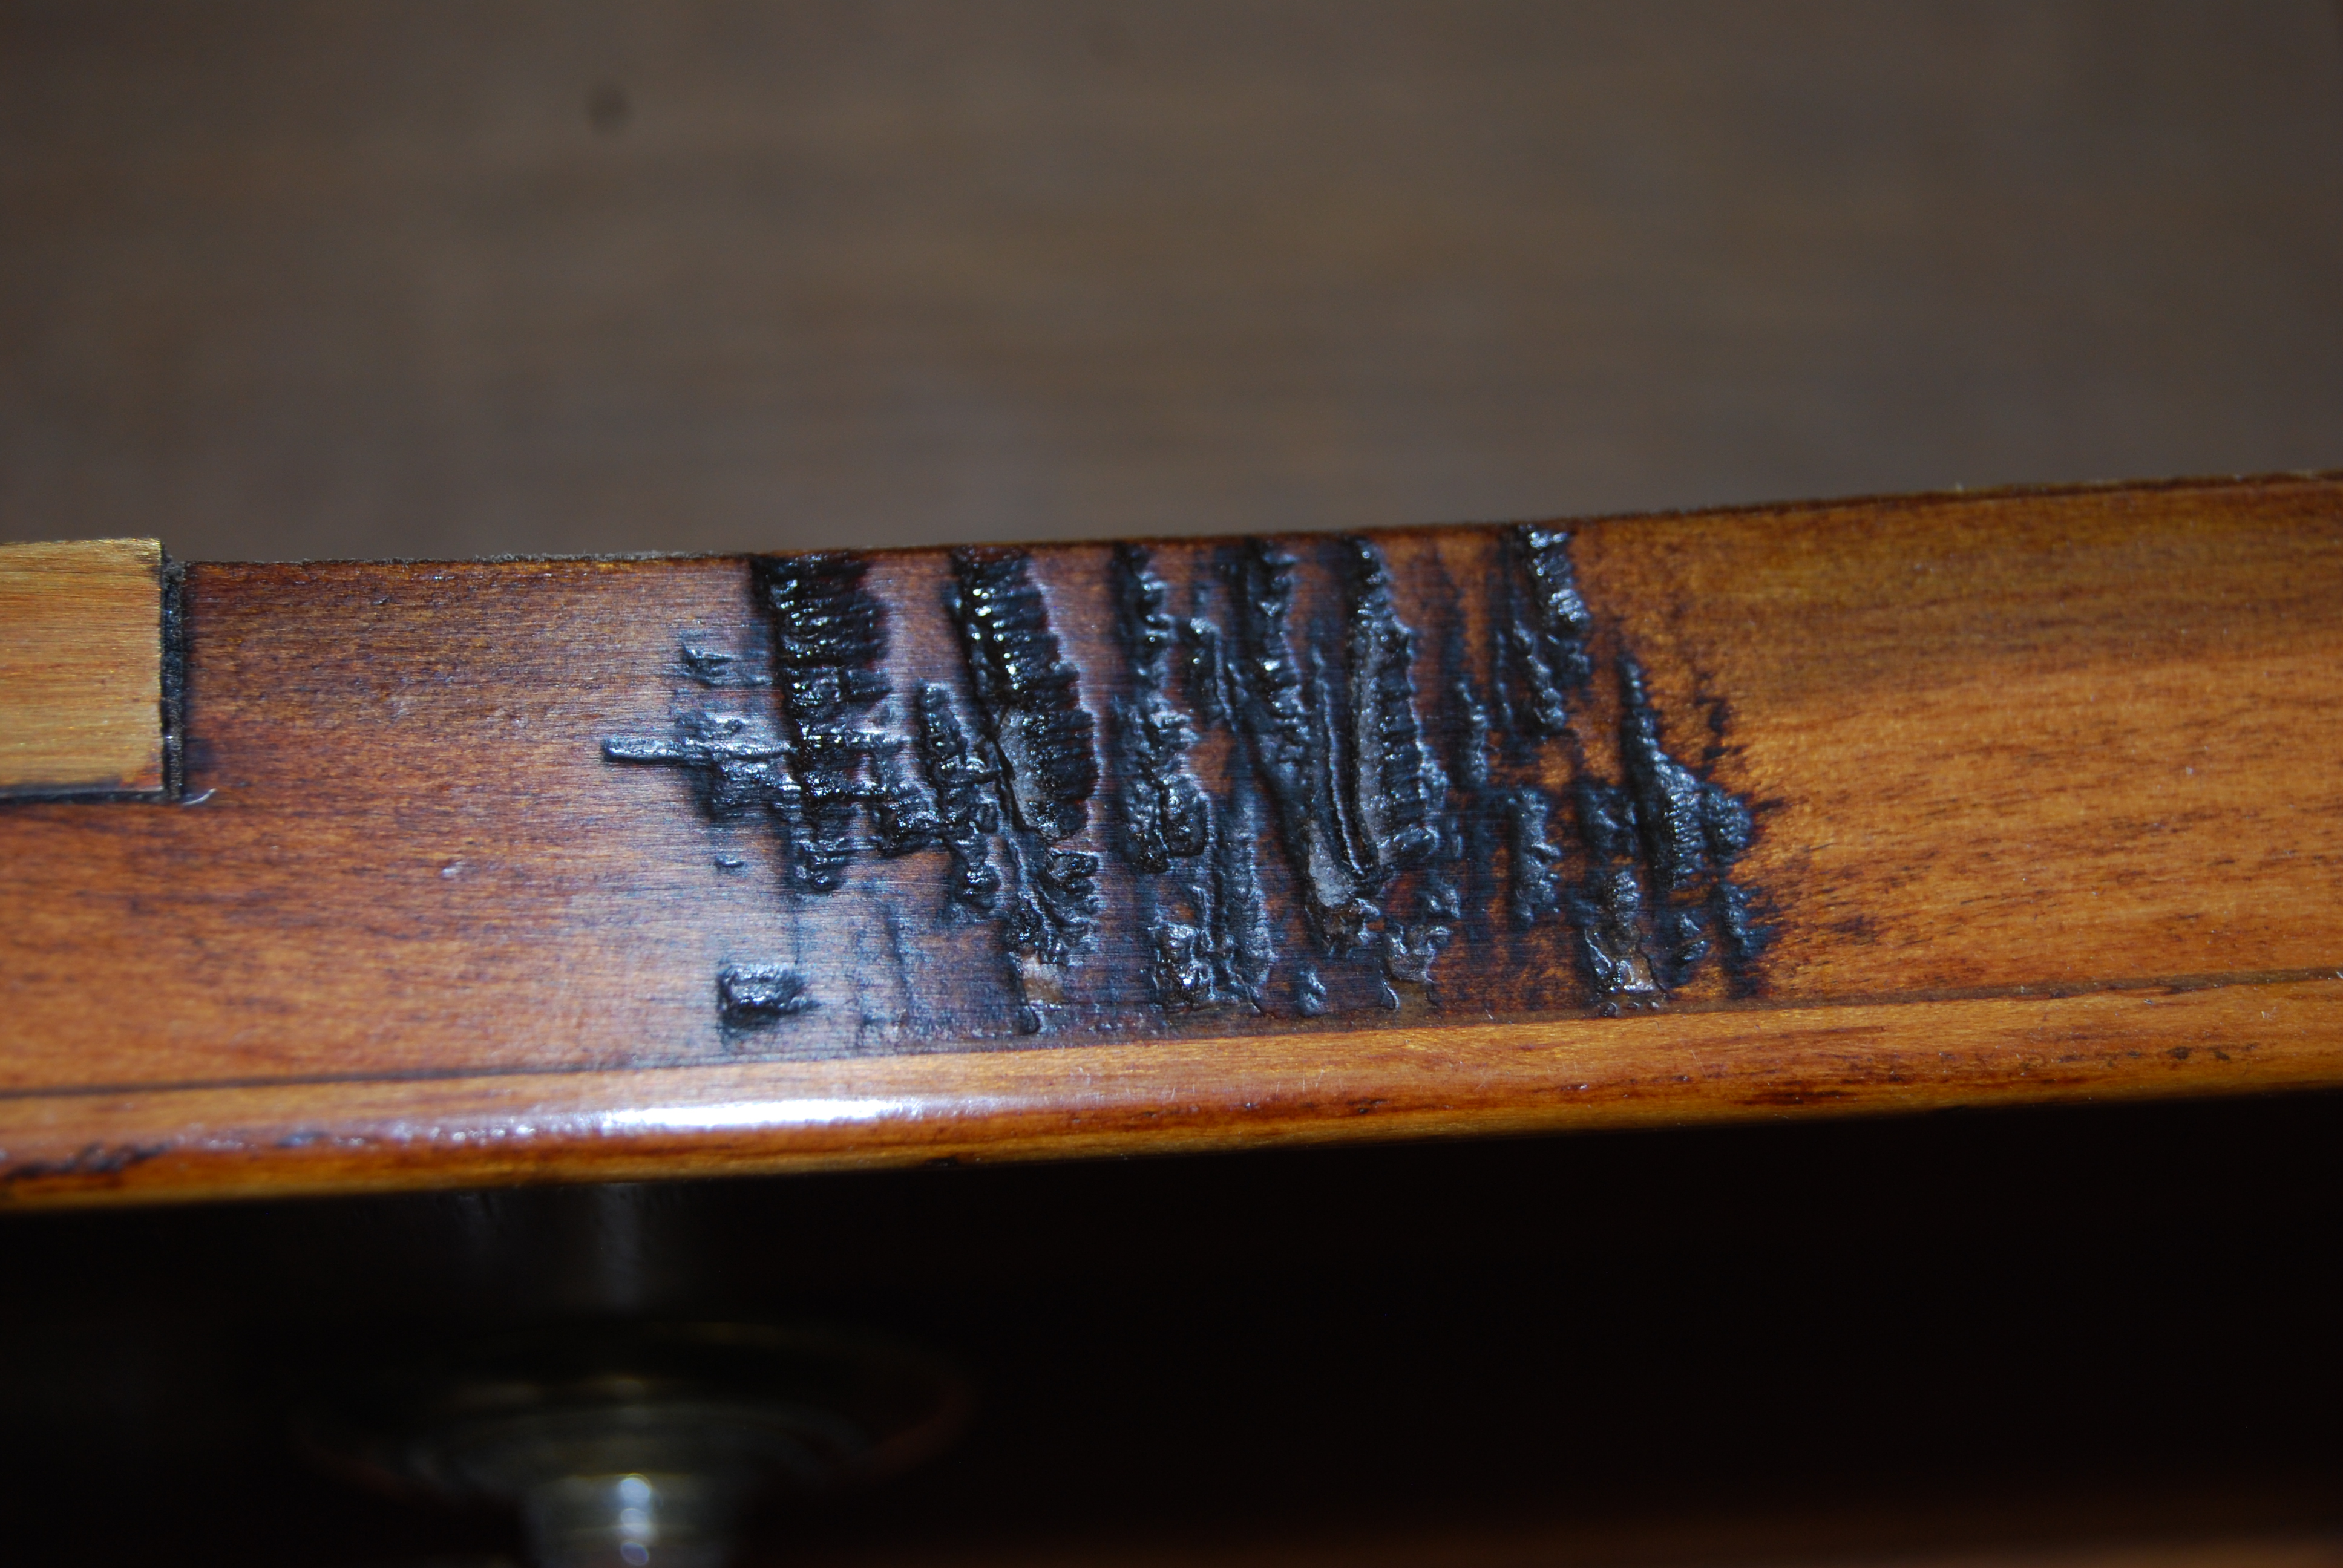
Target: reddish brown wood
{"x": 2048, "y": 809}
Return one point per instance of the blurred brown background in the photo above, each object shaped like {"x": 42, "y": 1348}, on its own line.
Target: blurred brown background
{"x": 301, "y": 279}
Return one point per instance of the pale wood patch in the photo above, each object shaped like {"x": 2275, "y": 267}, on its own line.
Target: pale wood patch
{"x": 81, "y": 667}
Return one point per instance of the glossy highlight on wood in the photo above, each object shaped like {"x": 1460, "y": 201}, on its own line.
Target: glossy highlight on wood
{"x": 1857, "y": 807}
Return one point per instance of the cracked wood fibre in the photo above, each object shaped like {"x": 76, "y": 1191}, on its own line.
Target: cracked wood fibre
{"x": 542, "y": 868}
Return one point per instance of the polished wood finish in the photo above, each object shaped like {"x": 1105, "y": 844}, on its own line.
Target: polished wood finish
{"x": 2043, "y": 782}
{"x": 81, "y": 668}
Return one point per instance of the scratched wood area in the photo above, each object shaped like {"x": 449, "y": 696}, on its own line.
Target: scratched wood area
{"x": 520, "y": 868}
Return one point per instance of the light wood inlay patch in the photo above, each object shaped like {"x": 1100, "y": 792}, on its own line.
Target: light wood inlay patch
{"x": 81, "y": 668}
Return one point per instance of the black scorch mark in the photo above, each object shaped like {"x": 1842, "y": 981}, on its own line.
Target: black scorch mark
{"x": 1450, "y": 890}
{"x": 1399, "y": 790}
{"x": 1288, "y": 727}
{"x": 758, "y": 995}
{"x": 830, "y": 637}
{"x": 1544, "y": 661}
{"x": 1204, "y": 921}
{"x": 1606, "y": 909}
{"x": 1394, "y": 783}
{"x": 734, "y": 760}
{"x": 1652, "y": 900}
{"x": 1242, "y": 952}
{"x": 717, "y": 668}
{"x": 1206, "y": 666}
{"x": 1164, "y": 815}
{"x": 814, "y": 762}
{"x": 1691, "y": 832}
{"x": 1475, "y": 820}
{"x": 1039, "y": 735}
{"x": 959, "y": 776}
{"x": 822, "y": 759}
{"x": 1050, "y": 923}
{"x": 1533, "y": 878}
{"x": 1358, "y": 793}
{"x": 1409, "y": 951}
{"x": 1030, "y": 695}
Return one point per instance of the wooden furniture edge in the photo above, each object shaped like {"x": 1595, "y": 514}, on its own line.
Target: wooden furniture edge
{"x": 2025, "y": 767}
{"x": 2189, "y": 1039}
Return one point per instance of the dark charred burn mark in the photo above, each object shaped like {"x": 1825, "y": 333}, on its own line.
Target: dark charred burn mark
{"x": 1043, "y": 763}
{"x": 716, "y": 669}
{"x": 904, "y": 816}
{"x": 1689, "y": 824}
{"x": 1222, "y": 882}
{"x": 1178, "y": 966}
{"x": 1066, "y": 883}
{"x": 1606, "y": 909}
{"x": 1449, "y": 893}
{"x": 1148, "y": 633}
{"x": 1165, "y": 816}
{"x": 759, "y": 995}
{"x": 1049, "y": 922}
{"x": 828, "y": 638}
{"x": 967, "y": 816}
{"x": 1030, "y": 696}
{"x": 1411, "y": 833}
{"x": 1308, "y": 993}
{"x": 1394, "y": 783}
{"x": 1534, "y": 863}
{"x": 1741, "y": 933}
{"x": 830, "y": 763}
{"x": 812, "y": 772}
{"x": 89, "y": 1159}
{"x": 1545, "y": 660}
{"x": 1168, "y": 818}
{"x": 733, "y": 760}
{"x": 1056, "y": 910}
{"x": 1692, "y": 831}
{"x": 1206, "y": 666}
{"x": 1409, "y": 952}
{"x": 1242, "y": 952}
{"x": 1716, "y": 714}
{"x": 828, "y": 635}
{"x": 1653, "y": 900}
{"x": 1469, "y": 739}
{"x": 1288, "y": 728}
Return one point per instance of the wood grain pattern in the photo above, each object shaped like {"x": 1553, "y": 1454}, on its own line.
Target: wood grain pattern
{"x": 2046, "y": 808}
{"x": 81, "y": 668}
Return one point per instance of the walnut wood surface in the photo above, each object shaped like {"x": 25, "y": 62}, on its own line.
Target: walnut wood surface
{"x": 81, "y": 668}
{"x": 2043, "y": 783}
